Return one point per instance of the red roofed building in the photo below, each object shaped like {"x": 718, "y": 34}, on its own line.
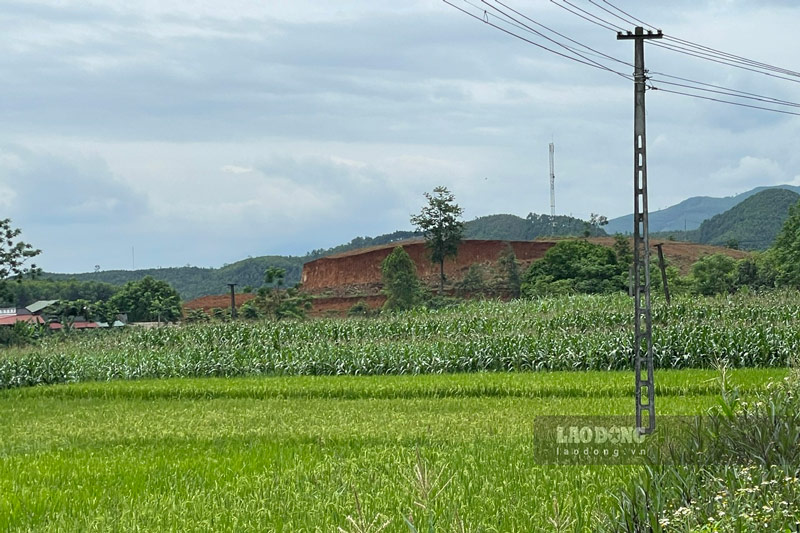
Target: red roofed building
{"x": 13, "y": 319}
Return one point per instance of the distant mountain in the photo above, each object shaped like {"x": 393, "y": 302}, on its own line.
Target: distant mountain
{"x": 690, "y": 213}
{"x": 192, "y": 282}
{"x": 752, "y": 224}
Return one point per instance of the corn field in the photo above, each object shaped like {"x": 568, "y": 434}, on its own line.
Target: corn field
{"x": 564, "y": 333}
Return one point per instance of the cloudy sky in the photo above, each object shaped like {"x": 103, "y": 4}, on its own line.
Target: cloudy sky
{"x": 202, "y": 132}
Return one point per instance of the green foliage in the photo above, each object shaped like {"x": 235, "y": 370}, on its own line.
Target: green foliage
{"x": 510, "y": 276}
{"x": 68, "y": 310}
{"x": 361, "y": 309}
{"x": 218, "y": 313}
{"x": 714, "y": 274}
{"x": 439, "y": 222}
{"x": 757, "y": 272}
{"x": 249, "y": 311}
{"x": 364, "y": 242}
{"x": 28, "y": 291}
{"x": 623, "y": 249}
{"x": 751, "y": 225}
{"x": 21, "y": 334}
{"x": 575, "y": 266}
{"x": 192, "y": 282}
{"x": 400, "y": 283}
{"x": 148, "y": 300}
{"x": 274, "y": 302}
{"x": 14, "y": 253}
{"x": 786, "y": 251}
{"x": 514, "y": 228}
{"x": 474, "y": 281}
{"x": 592, "y": 226}
{"x": 194, "y": 316}
{"x": 737, "y": 469}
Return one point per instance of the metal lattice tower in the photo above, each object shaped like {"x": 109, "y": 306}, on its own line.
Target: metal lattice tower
{"x": 643, "y": 332}
{"x": 552, "y": 185}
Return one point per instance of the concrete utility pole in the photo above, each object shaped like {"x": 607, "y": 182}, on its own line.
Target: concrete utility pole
{"x": 643, "y": 339}
{"x": 233, "y": 300}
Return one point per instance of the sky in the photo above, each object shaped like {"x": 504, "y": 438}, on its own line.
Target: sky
{"x": 196, "y": 132}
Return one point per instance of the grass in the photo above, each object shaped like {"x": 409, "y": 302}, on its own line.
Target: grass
{"x": 452, "y": 452}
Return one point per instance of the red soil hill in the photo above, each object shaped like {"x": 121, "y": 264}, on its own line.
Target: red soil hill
{"x": 360, "y": 270}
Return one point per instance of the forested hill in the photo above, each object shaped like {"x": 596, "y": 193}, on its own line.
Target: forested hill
{"x": 514, "y": 228}
{"x": 690, "y": 213}
{"x": 751, "y": 225}
{"x": 192, "y": 282}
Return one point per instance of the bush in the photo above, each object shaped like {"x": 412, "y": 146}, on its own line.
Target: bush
{"x": 21, "y": 334}
{"x": 510, "y": 276}
{"x": 474, "y": 282}
{"x": 196, "y": 315}
{"x": 400, "y": 283}
{"x": 580, "y": 267}
{"x": 361, "y": 309}
{"x": 714, "y": 274}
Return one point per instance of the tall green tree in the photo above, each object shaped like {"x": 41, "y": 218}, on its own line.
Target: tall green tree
{"x": 400, "y": 283}
{"x": 14, "y": 254}
{"x": 148, "y": 300}
{"x": 440, "y": 222}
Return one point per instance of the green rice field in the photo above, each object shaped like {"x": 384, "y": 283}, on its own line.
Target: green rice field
{"x": 317, "y": 453}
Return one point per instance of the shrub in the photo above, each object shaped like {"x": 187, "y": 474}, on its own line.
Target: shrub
{"x": 714, "y": 274}
{"x": 361, "y": 309}
{"x": 400, "y": 283}
{"x": 580, "y": 266}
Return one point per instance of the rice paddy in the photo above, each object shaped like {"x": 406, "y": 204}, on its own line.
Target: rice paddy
{"x": 315, "y": 453}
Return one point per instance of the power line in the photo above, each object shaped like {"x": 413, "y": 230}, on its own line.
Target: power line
{"x": 612, "y": 13}
{"x": 723, "y": 61}
{"x": 724, "y": 89}
{"x": 683, "y": 44}
{"x": 522, "y": 25}
{"x": 607, "y": 23}
{"x": 503, "y": 17}
{"x": 726, "y": 55}
{"x": 612, "y": 58}
{"x": 630, "y": 16}
{"x": 485, "y": 20}
{"x": 724, "y": 101}
{"x": 584, "y": 17}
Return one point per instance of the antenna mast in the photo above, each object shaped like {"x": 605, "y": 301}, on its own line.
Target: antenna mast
{"x": 552, "y": 186}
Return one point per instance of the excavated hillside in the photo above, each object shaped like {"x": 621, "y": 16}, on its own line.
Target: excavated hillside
{"x": 359, "y": 271}
{"x": 339, "y": 281}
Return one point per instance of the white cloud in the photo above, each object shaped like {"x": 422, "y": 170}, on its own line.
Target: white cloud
{"x": 235, "y": 169}
{"x": 203, "y": 129}
{"x": 751, "y": 170}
